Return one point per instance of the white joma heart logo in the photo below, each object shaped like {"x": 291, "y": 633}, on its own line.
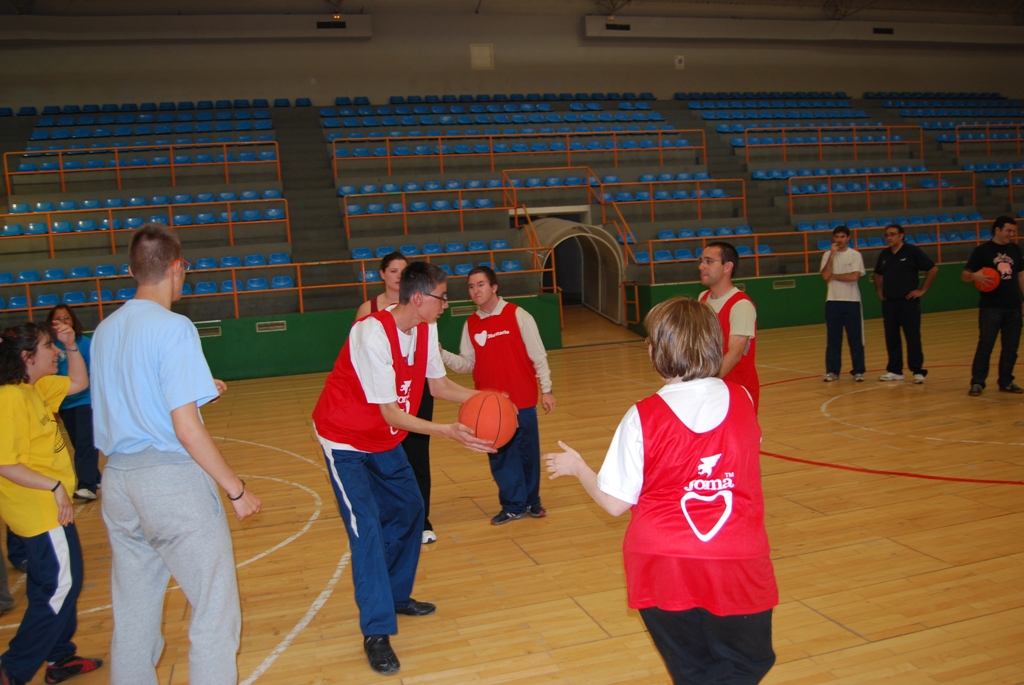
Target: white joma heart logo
{"x": 724, "y": 494}
{"x": 481, "y": 338}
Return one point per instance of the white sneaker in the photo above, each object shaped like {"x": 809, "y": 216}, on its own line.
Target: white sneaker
{"x": 829, "y": 377}
{"x": 429, "y": 537}
{"x": 84, "y": 493}
{"x": 889, "y": 376}
{"x": 858, "y": 378}
{"x": 918, "y": 378}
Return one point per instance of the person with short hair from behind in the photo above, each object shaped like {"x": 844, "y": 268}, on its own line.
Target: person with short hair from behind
{"x": 36, "y": 482}
{"x": 685, "y": 463}
{"x": 501, "y": 346}
{"x": 841, "y": 267}
{"x": 898, "y": 283}
{"x": 161, "y": 505}
{"x": 719, "y": 264}
{"x": 999, "y": 309}
{"x": 76, "y": 410}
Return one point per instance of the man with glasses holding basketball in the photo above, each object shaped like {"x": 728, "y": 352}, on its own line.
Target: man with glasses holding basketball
{"x": 366, "y": 409}
{"x": 501, "y": 346}
{"x": 736, "y": 314}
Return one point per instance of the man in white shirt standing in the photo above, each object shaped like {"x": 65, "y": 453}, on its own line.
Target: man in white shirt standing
{"x": 842, "y": 267}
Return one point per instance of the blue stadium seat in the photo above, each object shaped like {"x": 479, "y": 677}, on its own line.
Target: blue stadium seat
{"x": 279, "y": 258}
{"x": 230, "y": 261}
{"x": 254, "y": 260}
{"x": 104, "y": 295}
{"x": 54, "y": 275}
{"x": 73, "y": 297}
{"x": 256, "y": 284}
{"x": 206, "y": 263}
{"x": 463, "y": 269}
{"x": 105, "y": 271}
{"x": 202, "y": 288}
{"x": 229, "y": 287}
{"x": 369, "y": 277}
{"x": 46, "y": 301}
{"x": 278, "y": 282}
{"x": 80, "y": 272}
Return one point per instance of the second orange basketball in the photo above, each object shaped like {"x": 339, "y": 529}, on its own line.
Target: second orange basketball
{"x": 491, "y": 415}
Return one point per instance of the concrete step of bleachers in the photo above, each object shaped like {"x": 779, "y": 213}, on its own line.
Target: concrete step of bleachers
{"x": 14, "y": 131}
{"x": 317, "y": 227}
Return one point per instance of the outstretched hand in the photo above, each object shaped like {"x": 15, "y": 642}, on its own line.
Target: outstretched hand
{"x": 564, "y": 463}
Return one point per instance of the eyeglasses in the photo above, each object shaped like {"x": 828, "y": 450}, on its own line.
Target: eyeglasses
{"x": 62, "y": 318}
{"x": 443, "y": 298}
{"x": 188, "y": 264}
{"x": 706, "y": 261}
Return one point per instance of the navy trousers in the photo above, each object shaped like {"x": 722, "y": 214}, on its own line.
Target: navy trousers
{"x": 516, "y": 466}
{"x": 53, "y": 585}
{"x": 381, "y": 505}
{"x": 992, "y": 323}
{"x": 840, "y": 316}
{"x": 700, "y": 648}
{"x": 78, "y": 422}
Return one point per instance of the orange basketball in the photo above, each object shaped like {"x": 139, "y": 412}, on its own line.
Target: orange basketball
{"x": 993, "y": 280}
{"x": 491, "y": 415}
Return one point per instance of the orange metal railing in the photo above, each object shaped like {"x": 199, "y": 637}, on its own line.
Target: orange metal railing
{"x": 534, "y": 265}
{"x": 1015, "y": 173}
{"x": 906, "y": 179}
{"x": 1016, "y": 129}
{"x": 110, "y": 214}
{"x": 699, "y": 196}
{"x": 853, "y": 136}
{"x": 437, "y": 145}
{"x": 808, "y": 239}
{"x": 123, "y": 153}
{"x": 456, "y": 200}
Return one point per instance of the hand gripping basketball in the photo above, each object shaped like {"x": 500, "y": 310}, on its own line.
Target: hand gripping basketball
{"x": 491, "y": 416}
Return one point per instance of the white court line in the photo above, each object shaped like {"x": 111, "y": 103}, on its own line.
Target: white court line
{"x": 309, "y": 522}
{"x": 314, "y": 608}
{"x": 278, "y": 449}
{"x": 930, "y": 438}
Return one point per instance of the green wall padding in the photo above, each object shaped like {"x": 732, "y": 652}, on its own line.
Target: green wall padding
{"x": 309, "y": 343}
{"x": 800, "y": 300}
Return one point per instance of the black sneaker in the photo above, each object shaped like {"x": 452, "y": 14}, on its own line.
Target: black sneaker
{"x": 378, "y": 651}
{"x": 415, "y": 608}
{"x": 505, "y": 516}
{"x": 1013, "y": 388}
{"x": 975, "y": 390}
{"x": 69, "y": 667}
{"x": 537, "y": 511}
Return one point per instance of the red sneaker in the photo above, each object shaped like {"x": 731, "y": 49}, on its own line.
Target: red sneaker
{"x": 69, "y": 667}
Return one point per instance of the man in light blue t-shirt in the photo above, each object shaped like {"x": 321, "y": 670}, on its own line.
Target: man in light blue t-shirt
{"x": 160, "y": 500}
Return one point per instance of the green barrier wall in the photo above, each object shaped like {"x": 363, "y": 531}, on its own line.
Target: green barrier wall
{"x": 800, "y": 300}
{"x": 309, "y": 343}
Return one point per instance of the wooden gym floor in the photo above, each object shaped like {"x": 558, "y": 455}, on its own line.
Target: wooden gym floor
{"x": 883, "y": 578}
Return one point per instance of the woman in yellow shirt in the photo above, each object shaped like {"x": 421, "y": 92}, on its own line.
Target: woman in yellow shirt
{"x": 36, "y": 482}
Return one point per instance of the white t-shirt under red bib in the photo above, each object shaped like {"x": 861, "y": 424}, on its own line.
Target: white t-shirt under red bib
{"x": 697, "y": 537}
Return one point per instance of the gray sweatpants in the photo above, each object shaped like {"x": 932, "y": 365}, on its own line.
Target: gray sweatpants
{"x": 164, "y": 517}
